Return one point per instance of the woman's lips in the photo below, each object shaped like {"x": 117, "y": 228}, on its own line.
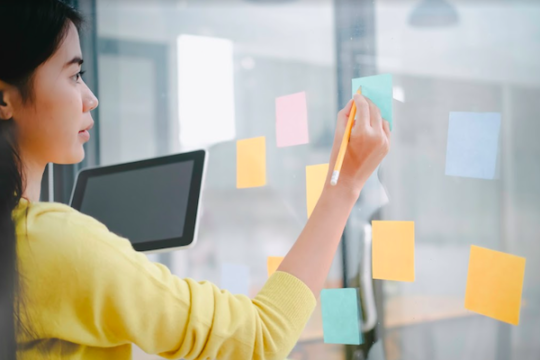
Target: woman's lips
{"x": 84, "y": 133}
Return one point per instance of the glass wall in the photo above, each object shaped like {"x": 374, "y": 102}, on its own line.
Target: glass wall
{"x": 181, "y": 75}
{"x": 461, "y": 56}
{"x": 171, "y": 70}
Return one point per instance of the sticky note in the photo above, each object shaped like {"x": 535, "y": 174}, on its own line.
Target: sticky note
{"x": 341, "y": 316}
{"x": 378, "y": 89}
{"x": 272, "y": 263}
{"x": 393, "y": 250}
{"x": 495, "y": 284}
{"x": 315, "y": 179}
{"x": 291, "y": 120}
{"x": 251, "y": 162}
{"x": 235, "y": 278}
{"x": 473, "y": 143}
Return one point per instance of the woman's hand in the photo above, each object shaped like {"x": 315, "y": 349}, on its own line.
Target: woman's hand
{"x": 369, "y": 143}
{"x": 311, "y": 256}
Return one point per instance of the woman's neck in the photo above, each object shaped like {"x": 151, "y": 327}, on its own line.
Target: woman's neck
{"x": 33, "y": 173}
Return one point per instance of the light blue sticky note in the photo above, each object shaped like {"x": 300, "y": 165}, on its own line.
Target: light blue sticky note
{"x": 378, "y": 89}
{"x": 235, "y": 278}
{"x": 341, "y": 316}
{"x": 473, "y": 144}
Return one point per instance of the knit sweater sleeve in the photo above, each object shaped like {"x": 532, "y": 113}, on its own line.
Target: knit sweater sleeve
{"x": 114, "y": 295}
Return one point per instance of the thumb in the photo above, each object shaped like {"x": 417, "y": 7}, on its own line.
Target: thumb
{"x": 342, "y": 118}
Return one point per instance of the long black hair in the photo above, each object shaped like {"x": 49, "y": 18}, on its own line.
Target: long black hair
{"x": 30, "y": 33}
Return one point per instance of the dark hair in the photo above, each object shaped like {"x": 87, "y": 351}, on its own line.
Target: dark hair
{"x": 31, "y": 33}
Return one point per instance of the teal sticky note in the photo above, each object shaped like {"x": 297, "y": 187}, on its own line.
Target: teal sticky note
{"x": 378, "y": 89}
{"x": 341, "y": 316}
{"x": 473, "y": 144}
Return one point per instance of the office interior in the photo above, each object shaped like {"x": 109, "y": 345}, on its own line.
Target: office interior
{"x": 444, "y": 55}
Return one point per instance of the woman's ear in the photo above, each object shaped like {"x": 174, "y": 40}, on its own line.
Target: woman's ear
{"x": 2, "y": 103}
{"x": 6, "y": 108}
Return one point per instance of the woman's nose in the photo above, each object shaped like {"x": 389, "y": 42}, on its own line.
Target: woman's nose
{"x": 92, "y": 102}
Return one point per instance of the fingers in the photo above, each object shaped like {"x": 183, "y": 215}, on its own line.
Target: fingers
{"x": 362, "y": 113}
{"x": 386, "y": 128}
{"x": 375, "y": 115}
{"x": 342, "y": 117}
{"x": 344, "y": 113}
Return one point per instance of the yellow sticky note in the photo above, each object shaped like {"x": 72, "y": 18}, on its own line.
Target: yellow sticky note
{"x": 494, "y": 284}
{"x": 393, "y": 250}
{"x": 315, "y": 179}
{"x": 251, "y": 162}
{"x": 273, "y": 263}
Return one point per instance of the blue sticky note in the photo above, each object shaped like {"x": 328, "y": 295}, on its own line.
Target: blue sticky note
{"x": 473, "y": 144}
{"x": 235, "y": 278}
{"x": 341, "y": 316}
{"x": 378, "y": 89}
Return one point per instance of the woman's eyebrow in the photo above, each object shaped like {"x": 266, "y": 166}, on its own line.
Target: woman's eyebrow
{"x": 76, "y": 60}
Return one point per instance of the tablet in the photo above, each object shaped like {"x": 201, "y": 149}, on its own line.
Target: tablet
{"x": 154, "y": 203}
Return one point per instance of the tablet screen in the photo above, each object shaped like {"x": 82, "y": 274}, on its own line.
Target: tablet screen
{"x": 141, "y": 204}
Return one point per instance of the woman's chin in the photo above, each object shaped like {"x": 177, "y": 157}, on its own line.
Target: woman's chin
{"x": 80, "y": 156}
{"x": 74, "y": 158}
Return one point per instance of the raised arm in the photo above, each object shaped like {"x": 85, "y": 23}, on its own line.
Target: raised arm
{"x": 95, "y": 290}
{"x": 311, "y": 256}
{"x": 102, "y": 294}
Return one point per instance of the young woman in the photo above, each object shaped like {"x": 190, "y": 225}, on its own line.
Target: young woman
{"x": 71, "y": 289}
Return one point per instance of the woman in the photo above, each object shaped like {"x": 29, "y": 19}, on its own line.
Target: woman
{"x": 70, "y": 288}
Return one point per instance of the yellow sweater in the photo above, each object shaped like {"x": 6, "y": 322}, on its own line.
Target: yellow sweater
{"x": 89, "y": 295}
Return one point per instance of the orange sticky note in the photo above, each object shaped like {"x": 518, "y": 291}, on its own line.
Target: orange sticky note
{"x": 315, "y": 179}
{"x": 273, "y": 263}
{"x": 494, "y": 284}
{"x": 251, "y": 162}
{"x": 393, "y": 250}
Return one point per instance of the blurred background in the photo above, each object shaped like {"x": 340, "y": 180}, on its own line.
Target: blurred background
{"x": 166, "y": 71}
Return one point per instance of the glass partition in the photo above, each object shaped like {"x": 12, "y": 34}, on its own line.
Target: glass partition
{"x": 181, "y": 75}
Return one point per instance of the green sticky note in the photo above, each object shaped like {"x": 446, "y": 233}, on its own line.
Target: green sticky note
{"x": 341, "y": 316}
{"x": 378, "y": 89}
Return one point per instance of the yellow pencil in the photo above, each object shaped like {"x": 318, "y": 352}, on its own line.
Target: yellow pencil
{"x": 344, "y": 143}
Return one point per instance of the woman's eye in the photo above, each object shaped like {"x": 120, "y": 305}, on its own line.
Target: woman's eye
{"x": 79, "y": 75}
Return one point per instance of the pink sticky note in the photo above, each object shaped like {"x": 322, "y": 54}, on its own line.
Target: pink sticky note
{"x": 291, "y": 120}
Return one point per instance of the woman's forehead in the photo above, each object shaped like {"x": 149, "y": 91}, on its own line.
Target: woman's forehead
{"x": 69, "y": 48}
